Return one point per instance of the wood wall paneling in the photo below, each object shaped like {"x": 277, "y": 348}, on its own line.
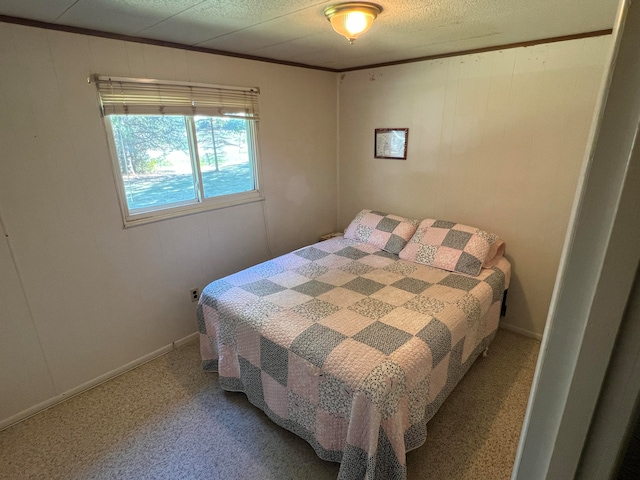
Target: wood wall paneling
{"x": 496, "y": 140}
{"x": 101, "y": 296}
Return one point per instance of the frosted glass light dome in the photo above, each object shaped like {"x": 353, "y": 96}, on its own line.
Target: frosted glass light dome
{"x": 352, "y": 19}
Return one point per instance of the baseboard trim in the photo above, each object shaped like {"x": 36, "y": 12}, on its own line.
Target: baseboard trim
{"x": 521, "y": 331}
{"x": 186, "y": 340}
{"x": 63, "y": 397}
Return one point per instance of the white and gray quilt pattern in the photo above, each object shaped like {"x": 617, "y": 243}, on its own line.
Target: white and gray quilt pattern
{"x": 348, "y": 346}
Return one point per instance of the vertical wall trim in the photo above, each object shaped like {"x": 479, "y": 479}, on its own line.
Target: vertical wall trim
{"x": 339, "y": 78}
{"x": 613, "y": 421}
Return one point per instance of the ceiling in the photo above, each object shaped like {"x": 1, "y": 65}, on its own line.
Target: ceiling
{"x": 296, "y": 31}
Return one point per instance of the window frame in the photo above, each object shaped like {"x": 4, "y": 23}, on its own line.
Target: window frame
{"x": 140, "y": 216}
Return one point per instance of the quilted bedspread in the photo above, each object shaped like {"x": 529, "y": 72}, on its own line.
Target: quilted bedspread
{"x": 348, "y": 346}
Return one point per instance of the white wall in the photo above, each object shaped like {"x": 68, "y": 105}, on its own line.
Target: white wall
{"x": 80, "y": 297}
{"x": 496, "y": 140}
{"x": 84, "y": 296}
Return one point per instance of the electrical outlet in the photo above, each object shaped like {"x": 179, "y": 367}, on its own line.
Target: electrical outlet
{"x": 195, "y": 294}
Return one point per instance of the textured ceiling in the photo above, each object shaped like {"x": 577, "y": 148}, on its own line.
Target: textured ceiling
{"x": 296, "y": 30}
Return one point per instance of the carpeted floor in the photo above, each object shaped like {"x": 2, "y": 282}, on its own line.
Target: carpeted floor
{"x": 169, "y": 420}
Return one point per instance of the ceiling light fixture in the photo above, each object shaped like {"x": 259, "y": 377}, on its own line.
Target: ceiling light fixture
{"x": 352, "y": 19}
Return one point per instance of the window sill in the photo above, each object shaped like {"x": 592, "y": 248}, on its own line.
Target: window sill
{"x": 133, "y": 220}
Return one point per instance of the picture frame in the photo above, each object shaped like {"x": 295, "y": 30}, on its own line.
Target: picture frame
{"x": 391, "y": 143}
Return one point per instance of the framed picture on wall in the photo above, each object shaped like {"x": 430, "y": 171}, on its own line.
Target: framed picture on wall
{"x": 391, "y": 143}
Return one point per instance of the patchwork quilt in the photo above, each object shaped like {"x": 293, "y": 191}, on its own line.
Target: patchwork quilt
{"x": 349, "y": 346}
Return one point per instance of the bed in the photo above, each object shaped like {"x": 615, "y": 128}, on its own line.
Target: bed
{"x": 353, "y": 343}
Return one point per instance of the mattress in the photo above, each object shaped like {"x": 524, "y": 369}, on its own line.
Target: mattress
{"x": 349, "y": 346}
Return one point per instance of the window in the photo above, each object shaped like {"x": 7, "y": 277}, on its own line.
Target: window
{"x": 179, "y": 148}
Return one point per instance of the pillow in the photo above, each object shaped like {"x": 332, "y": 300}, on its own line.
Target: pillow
{"x": 453, "y": 247}
{"x": 387, "y": 232}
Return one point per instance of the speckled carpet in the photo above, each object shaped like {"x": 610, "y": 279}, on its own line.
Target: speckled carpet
{"x": 168, "y": 419}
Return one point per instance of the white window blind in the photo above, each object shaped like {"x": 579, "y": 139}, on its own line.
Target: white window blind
{"x": 131, "y": 96}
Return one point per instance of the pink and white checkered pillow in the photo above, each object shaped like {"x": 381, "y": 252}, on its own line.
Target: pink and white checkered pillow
{"x": 387, "y": 232}
{"x": 453, "y": 247}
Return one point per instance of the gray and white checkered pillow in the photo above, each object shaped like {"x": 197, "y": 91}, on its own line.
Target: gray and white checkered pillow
{"x": 387, "y": 232}
{"x": 452, "y": 246}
